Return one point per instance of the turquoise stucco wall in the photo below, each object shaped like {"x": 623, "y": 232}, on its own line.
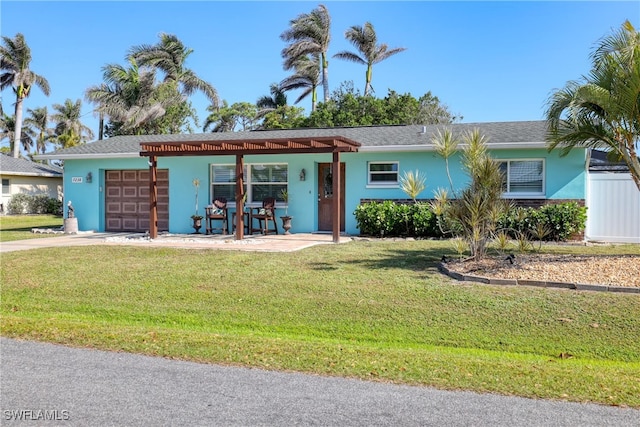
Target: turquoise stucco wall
{"x": 565, "y": 178}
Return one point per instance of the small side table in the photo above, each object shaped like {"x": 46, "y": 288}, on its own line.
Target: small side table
{"x": 247, "y": 222}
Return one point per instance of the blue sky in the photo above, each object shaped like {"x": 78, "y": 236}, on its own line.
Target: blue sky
{"x": 488, "y": 61}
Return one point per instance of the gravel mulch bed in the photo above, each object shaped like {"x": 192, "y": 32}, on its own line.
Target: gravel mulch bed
{"x": 615, "y": 270}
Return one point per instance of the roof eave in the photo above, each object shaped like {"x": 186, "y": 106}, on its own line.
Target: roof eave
{"x": 431, "y": 147}
{"x": 43, "y": 175}
{"x": 54, "y": 156}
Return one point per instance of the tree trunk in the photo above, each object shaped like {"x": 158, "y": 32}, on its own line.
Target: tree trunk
{"x": 325, "y": 77}
{"x": 18, "y": 129}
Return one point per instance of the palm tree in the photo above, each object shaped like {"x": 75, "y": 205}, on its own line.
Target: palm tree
{"x": 268, "y": 103}
{"x": 130, "y": 97}
{"x": 68, "y": 124}
{"x": 309, "y": 34}
{"x": 170, "y": 56}
{"x": 603, "y": 110}
{"x": 306, "y": 77}
{"x": 38, "y": 120}
{"x": 221, "y": 119}
{"x": 365, "y": 41}
{"x": 7, "y": 131}
{"x": 15, "y": 57}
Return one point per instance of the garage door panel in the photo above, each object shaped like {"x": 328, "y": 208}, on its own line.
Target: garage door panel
{"x": 114, "y": 192}
{"x": 130, "y": 176}
{"x": 130, "y": 191}
{"x": 127, "y": 200}
{"x": 114, "y": 208}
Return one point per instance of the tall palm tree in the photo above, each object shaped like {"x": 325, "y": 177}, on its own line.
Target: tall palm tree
{"x": 130, "y": 97}
{"x": 309, "y": 34}
{"x": 369, "y": 51}
{"x": 603, "y": 110}
{"x": 7, "y": 131}
{"x": 38, "y": 120}
{"x": 15, "y": 57}
{"x": 270, "y": 103}
{"x": 68, "y": 124}
{"x": 306, "y": 77}
{"x": 170, "y": 56}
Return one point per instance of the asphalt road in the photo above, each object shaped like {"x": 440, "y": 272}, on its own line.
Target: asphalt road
{"x": 49, "y": 385}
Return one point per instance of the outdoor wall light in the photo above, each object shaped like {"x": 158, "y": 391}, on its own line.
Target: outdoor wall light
{"x": 303, "y": 174}
{"x": 89, "y": 178}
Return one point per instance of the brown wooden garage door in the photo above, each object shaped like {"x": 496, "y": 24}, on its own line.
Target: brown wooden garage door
{"x": 127, "y": 200}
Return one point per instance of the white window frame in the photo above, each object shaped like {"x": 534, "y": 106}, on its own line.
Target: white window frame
{"x": 524, "y": 195}
{"x": 6, "y": 187}
{"x": 383, "y": 184}
{"x": 248, "y": 182}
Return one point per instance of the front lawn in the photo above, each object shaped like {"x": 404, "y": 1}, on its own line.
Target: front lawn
{"x": 375, "y": 310}
{"x": 18, "y": 227}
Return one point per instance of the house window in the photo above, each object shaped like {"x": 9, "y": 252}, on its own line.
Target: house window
{"x": 383, "y": 173}
{"x": 267, "y": 181}
{"x": 522, "y": 178}
{"x": 260, "y": 181}
{"x": 6, "y": 187}
{"x": 223, "y": 182}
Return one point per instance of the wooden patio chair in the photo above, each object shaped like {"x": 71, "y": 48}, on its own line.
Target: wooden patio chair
{"x": 217, "y": 212}
{"x": 265, "y": 214}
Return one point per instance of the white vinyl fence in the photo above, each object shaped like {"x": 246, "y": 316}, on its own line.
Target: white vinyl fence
{"x": 613, "y": 213}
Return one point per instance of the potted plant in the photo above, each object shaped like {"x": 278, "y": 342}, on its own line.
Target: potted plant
{"x": 286, "y": 219}
{"x": 197, "y": 218}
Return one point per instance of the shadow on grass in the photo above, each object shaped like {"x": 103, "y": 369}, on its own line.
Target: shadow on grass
{"x": 421, "y": 259}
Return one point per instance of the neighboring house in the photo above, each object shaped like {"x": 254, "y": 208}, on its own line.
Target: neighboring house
{"x": 613, "y": 201}
{"x": 373, "y": 160}
{"x": 20, "y": 176}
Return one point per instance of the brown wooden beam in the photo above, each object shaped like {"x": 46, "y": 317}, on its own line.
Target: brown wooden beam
{"x": 336, "y": 197}
{"x": 153, "y": 197}
{"x": 240, "y": 197}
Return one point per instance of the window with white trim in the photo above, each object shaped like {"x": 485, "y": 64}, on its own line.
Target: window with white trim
{"x": 6, "y": 186}
{"x": 383, "y": 173}
{"x": 522, "y": 178}
{"x": 260, "y": 181}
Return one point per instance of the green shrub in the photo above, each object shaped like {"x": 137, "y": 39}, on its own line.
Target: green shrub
{"x": 19, "y": 204}
{"x": 389, "y": 218}
{"x": 36, "y": 204}
{"x": 563, "y": 220}
{"x": 425, "y": 222}
{"x": 559, "y": 222}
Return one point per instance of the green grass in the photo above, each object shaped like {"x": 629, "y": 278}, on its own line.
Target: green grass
{"x": 375, "y": 310}
{"x": 18, "y": 227}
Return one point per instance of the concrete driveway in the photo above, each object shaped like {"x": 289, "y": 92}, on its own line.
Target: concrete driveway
{"x": 256, "y": 242}
{"x": 82, "y": 387}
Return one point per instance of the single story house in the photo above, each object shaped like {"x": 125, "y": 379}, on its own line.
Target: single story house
{"x": 21, "y": 176}
{"x": 109, "y": 181}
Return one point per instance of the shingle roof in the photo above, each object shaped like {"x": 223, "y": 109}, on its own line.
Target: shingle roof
{"x": 500, "y": 134}
{"x": 12, "y": 166}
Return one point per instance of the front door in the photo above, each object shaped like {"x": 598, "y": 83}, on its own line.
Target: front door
{"x": 325, "y": 196}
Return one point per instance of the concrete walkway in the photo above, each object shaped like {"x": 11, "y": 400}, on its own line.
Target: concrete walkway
{"x": 268, "y": 243}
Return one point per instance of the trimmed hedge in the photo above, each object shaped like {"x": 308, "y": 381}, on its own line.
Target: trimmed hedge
{"x": 395, "y": 219}
{"x": 390, "y": 219}
{"x": 560, "y": 221}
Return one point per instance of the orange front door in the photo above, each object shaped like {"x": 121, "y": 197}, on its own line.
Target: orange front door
{"x": 325, "y": 196}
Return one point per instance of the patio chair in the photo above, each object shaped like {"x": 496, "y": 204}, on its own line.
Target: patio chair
{"x": 265, "y": 214}
{"x": 217, "y": 212}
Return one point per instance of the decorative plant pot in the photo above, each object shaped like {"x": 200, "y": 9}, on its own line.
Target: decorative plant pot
{"x": 197, "y": 225}
{"x": 286, "y": 224}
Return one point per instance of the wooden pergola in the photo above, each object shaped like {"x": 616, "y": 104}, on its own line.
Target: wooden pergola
{"x": 239, "y": 148}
